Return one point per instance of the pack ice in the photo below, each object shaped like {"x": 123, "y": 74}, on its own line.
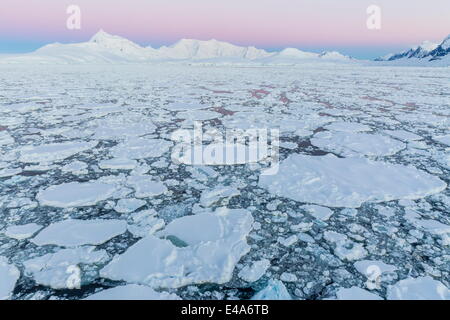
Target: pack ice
{"x": 193, "y": 249}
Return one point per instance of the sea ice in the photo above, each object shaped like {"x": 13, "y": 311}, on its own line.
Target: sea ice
{"x": 9, "y": 275}
{"x": 53, "y": 152}
{"x": 403, "y": 135}
{"x": 347, "y": 127}
{"x": 141, "y": 148}
{"x": 334, "y": 182}
{"x": 255, "y": 271}
{"x": 214, "y": 244}
{"x": 217, "y": 195}
{"x": 423, "y": 288}
{"x": 71, "y": 232}
{"x": 356, "y": 144}
{"x": 275, "y": 290}
{"x": 118, "y": 164}
{"x": 128, "y": 205}
{"x": 145, "y": 186}
{"x": 75, "y": 194}
{"x": 57, "y": 269}
{"x": 443, "y": 139}
{"x": 20, "y": 232}
{"x": 318, "y": 212}
{"x": 132, "y": 292}
{"x": 355, "y": 293}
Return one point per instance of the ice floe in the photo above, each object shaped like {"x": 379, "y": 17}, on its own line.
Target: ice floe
{"x": 145, "y": 186}
{"x": 128, "y": 205}
{"x": 75, "y": 194}
{"x": 132, "y": 292}
{"x": 21, "y": 232}
{"x": 9, "y": 274}
{"x": 355, "y": 293}
{"x": 347, "y": 127}
{"x": 334, "y": 182}
{"x": 275, "y": 290}
{"x": 72, "y": 232}
{"x": 53, "y": 152}
{"x": 423, "y": 288}
{"x": 354, "y": 144}
{"x": 443, "y": 139}
{"x": 255, "y": 271}
{"x": 62, "y": 269}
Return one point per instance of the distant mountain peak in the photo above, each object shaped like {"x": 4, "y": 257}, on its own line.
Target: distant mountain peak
{"x": 426, "y": 51}
{"x": 333, "y": 55}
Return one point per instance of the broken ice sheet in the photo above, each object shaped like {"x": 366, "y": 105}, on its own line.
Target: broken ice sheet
{"x": 57, "y": 269}
{"x": 215, "y": 243}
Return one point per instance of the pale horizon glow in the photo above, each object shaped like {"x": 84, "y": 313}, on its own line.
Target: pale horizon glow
{"x": 312, "y": 25}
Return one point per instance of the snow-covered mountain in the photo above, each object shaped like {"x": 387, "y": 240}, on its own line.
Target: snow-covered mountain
{"x": 197, "y": 49}
{"x": 296, "y": 56}
{"x": 427, "y": 52}
{"x": 107, "y": 48}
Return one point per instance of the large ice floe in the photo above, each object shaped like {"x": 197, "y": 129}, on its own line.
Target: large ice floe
{"x": 200, "y": 248}
{"x": 53, "y": 152}
{"x": 348, "y": 182}
{"x": 75, "y": 194}
{"x": 351, "y": 144}
{"x": 71, "y": 233}
{"x": 9, "y": 274}
{"x": 423, "y": 288}
{"x": 132, "y": 292}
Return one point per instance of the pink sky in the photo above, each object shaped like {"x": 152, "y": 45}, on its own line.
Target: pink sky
{"x": 264, "y": 23}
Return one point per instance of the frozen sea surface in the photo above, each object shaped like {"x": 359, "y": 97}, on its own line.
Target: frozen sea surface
{"x": 92, "y": 205}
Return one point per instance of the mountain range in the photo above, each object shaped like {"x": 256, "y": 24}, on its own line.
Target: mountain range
{"x": 426, "y": 52}
{"x": 107, "y": 48}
